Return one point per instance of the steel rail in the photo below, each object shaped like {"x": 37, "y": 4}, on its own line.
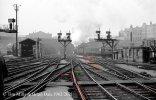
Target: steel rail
{"x": 109, "y": 64}
{"x": 126, "y": 77}
{"x": 34, "y": 78}
{"x": 132, "y": 63}
{"x": 23, "y": 64}
{"x": 27, "y": 79}
{"x": 20, "y": 75}
{"x": 119, "y": 76}
{"x": 25, "y": 68}
{"x": 108, "y": 94}
{"x": 114, "y": 74}
{"x": 120, "y": 85}
{"x": 40, "y": 82}
{"x": 45, "y": 82}
{"x": 24, "y": 60}
{"x": 116, "y": 66}
{"x": 104, "y": 64}
{"x": 76, "y": 83}
{"x": 51, "y": 79}
{"x": 16, "y": 59}
{"x": 31, "y": 79}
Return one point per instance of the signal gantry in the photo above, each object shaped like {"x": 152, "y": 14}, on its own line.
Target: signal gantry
{"x": 64, "y": 41}
{"x": 112, "y": 43}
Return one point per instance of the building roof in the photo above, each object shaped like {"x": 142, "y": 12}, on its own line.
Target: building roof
{"x": 26, "y": 40}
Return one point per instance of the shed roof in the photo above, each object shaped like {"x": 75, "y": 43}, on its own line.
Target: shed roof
{"x": 26, "y": 40}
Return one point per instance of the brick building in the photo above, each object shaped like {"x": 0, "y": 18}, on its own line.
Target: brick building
{"x": 136, "y": 35}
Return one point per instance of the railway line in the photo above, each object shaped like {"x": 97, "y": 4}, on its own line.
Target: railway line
{"x": 97, "y": 91}
{"x": 25, "y": 70}
{"x": 37, "y": 75}
{"x": 116, "y": 92}
{"x": 140, "y": 88}
{"x": 147, "y": 66}
{"x": 124, "y": 72}
{"x": 88, "y": 82}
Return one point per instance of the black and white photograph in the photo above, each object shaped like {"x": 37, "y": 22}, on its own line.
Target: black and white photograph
{"x": 77, "y": 49}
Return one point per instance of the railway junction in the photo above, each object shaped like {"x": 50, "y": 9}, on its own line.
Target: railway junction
{"x": 82, "y": 78}
{"x": 77, "y": 77}
{"x": 121, "y": 68}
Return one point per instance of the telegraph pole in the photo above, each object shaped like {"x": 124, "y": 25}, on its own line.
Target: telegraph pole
{"x": 64, "y": 42}
{"x": 16, "y": 7}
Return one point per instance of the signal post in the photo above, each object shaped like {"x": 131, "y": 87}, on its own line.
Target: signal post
{"x": 112, "y": 43}
{"x": 64, "y": 41}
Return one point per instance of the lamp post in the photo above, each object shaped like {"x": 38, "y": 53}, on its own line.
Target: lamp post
{"x": 65, "y": 41}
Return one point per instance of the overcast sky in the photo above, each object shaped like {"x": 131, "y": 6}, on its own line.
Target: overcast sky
{"x": 81, "y": 17}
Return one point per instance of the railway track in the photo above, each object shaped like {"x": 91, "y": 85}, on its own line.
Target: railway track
{"x": 87, "y": 94}
{"x": 20, "y": 61}
{"x": 112, "y": 68}
{"x": 147, "y": 66}
{"x": 48, "y": 73}
{"x": 47, "y": 70}
{"x": 25, "y": 61}
{"x": 26, "y": 70}
{"x": 116, "y": 92}
{"x": 127, "y": 74}
{"x": 37, "y": 76}
{"x": 138, "y": 90}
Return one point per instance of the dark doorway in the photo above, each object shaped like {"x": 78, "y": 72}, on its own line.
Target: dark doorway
{"x": 146, "y": 55}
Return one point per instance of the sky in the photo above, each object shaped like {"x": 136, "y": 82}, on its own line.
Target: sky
{"x": 81, "y": 17}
